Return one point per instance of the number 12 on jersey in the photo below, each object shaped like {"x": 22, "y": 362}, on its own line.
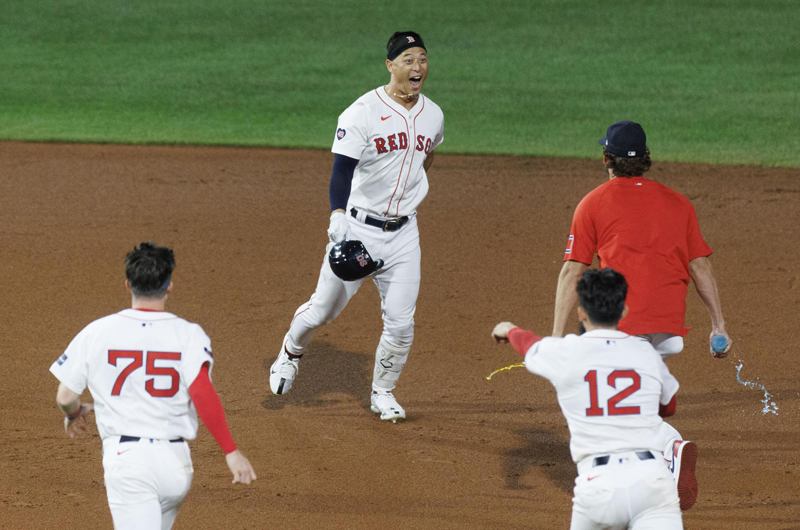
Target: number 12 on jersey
{"x": 613, "y": 410}
{"x": 151, "y": 369}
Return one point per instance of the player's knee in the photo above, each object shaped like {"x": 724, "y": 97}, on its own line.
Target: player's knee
{"x": 398, "y": 334}
{"x": 315, "y": 316}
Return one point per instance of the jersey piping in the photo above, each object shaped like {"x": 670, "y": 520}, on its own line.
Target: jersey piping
{"x": 400, "y": 176}
{"x": 413, "y": 152}
{"x": 150, "y": 314}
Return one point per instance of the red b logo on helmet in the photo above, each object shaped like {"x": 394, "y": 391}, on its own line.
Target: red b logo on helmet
{"x": 410, "y": 39}
{"x": 362, "y": 260}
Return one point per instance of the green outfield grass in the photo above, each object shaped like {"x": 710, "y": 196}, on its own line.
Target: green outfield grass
{"x": 710, "y": 80}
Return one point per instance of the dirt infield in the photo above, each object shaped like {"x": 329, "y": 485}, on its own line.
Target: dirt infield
{"x": 248, "y": 229}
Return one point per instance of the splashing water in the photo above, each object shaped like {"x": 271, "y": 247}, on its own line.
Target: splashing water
{"x": 769, "y": 405}
{"x": 515, "y": 365}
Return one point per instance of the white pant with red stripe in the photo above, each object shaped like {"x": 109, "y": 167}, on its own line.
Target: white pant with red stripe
{"x": 146, "y": 481}
{"x": 397, "y": 283}
{"x": 627, "y": 492}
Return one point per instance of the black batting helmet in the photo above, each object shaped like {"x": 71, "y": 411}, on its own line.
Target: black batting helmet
{"x": 350, "y": 261}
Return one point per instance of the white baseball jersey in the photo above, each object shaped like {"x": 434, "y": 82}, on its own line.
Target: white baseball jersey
{"x": 390, "y": 143}
{"x": 609, "y": 387}
{"x": 138, "y": 366}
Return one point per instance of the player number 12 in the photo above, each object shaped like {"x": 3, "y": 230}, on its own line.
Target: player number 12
{"x": 151, "y": 369}
{"x": 613, "y": 410}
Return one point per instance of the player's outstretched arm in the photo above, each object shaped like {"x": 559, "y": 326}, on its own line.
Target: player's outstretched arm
{"x": 239, "y": 465}
{"x": 520, "y": 339}
{"x": 75, "y": 412}
{"x": 565, "y": 294}
{"x": 706, "y": 284}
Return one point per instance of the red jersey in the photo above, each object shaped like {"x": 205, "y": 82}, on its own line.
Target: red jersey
{"x": 649, "y": 233}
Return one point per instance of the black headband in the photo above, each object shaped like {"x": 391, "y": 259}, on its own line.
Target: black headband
{"x": 401, "y": 41}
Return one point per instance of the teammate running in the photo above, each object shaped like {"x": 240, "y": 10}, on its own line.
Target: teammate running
{"x": 147, "y": 370}
{"x": 383, "y": 147}
{"x": 613, "y": 390}
{"x": 650, "y": 234}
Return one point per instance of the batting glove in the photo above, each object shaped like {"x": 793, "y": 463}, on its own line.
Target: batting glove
{"x": 339, "y": 228}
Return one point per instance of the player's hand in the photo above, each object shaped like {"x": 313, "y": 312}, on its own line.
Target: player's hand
{"x": 724, "y": 353}
{"x": 500, "y": 331}
{"x": 339, "y": 227}
{"x": 239, "y": 465}
{"x": 79, "y": 425}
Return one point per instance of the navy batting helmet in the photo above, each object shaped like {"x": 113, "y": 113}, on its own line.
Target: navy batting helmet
{"x": 350, "y": 261}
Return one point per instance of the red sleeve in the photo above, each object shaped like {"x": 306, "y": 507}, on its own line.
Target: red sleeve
{"x": 669, "y": 409}
{"x": 522, "y": 339}
{"x": 582, "y": 242}
{"x": 698, "y": 248}
{"x": 209, "y": 408}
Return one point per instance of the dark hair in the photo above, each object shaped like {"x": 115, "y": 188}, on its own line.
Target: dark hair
{"x": 628, "y": 167}
{"x": 602, "y": 295}
{"x": 149, "y": 269}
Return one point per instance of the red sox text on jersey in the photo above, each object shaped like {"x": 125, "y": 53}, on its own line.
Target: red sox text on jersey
{"x": 391, "y": 144}
{"x": 400, "y": 141}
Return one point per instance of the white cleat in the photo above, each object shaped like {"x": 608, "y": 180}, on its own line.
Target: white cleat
{"x": 283, "y": 371}
{"x": 386, "y": 405}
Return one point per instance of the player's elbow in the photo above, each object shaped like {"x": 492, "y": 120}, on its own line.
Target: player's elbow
{"x": 700, "y": 268}
{"x": 572, "y": 271}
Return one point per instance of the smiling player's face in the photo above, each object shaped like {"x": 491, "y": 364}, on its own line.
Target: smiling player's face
{"x": 409, "y": 70}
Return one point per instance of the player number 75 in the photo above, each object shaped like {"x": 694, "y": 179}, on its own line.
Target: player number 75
{"x": 151, "y": 369}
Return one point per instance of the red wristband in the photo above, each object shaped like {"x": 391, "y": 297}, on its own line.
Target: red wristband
{"x": 75, "y": 414}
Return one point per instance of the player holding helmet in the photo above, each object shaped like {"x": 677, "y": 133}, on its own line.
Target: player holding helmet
{"x": 383, "y": 147}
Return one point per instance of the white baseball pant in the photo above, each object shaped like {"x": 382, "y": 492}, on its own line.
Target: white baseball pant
{"x": 397, "y": 283}
{"x": 146, "y": 481}
{"x": 625, "y": 493}
{"x": 665, "y": 344}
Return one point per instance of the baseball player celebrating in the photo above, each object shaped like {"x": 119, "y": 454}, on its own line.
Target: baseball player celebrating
{"x": 383, "y": 147}
{"x": 613, "y": 390}
{"x": 650, "y": 234}
{"x": 148, "y": 372}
